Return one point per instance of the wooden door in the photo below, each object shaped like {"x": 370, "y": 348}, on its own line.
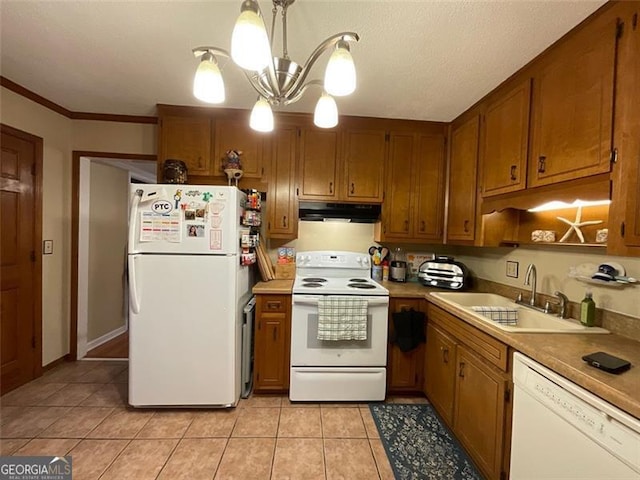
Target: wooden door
{"x": 428, "y": 191}
{"x": 319, "y": 164}
{"x": 506, "y": 136}
{"x": 20, "y": 320}
{"x": 282, "y": 202}
{"x": 480, "y": 411}
{"x": 404, "y": 369}
{"x": 462, "y": 181}
{"x": 238, "y": 135}
{"x": 364, "y": 155}
{"x": 399, "y": 197}
{"x": 440, "y": 371}
{"x": 572, "y": 110}
{"x": 188, "y": 138}
{"x": 271, "y": 343}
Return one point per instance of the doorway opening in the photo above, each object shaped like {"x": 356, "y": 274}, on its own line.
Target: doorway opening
{"x": 101, "y": 307}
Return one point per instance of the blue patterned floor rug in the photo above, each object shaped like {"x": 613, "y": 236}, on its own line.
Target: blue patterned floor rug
{"x": 419, "y": 445}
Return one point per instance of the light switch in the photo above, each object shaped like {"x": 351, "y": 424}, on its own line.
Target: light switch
{"x": 48, "y": 247}
{"x": 512, "y": 269}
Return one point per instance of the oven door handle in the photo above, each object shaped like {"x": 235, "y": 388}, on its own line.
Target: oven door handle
{"x": 371, "y": 301}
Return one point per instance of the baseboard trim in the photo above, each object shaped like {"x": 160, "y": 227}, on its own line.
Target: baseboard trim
{"x": 55, "y": 363}
{"x": 105, "y": 338}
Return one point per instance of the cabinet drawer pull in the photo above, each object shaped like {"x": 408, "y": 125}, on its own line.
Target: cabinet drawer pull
{"x": 353, "y": 188}
{"x": 274, "y": 305}
{"x": 466, "y": 226}
{"x": 461, "y": 370}
{"x": 513, "y": 172}
{"x": 541, "y": 163}
{"x": 330, "y": 187}
{"x": 445, "y": 354}
{"x": 423, "y": 226}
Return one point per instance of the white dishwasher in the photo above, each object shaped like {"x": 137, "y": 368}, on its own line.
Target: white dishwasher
{"x": 562, "y": 431}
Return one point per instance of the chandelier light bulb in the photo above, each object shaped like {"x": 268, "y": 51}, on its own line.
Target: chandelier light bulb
{"x": 326, "y": 112}
{"x": 261, "y": 116}
{"x": 250, "y": 47}
{"x": 208, "y": 85}
{"x": 340, "y": 75}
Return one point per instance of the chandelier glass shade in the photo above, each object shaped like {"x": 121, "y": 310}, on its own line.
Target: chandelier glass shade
{"x": 278, "y": 80}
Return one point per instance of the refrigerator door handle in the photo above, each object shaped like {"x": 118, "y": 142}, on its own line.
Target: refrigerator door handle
{"x": 134, "y": 301}
{"x": 137, "y": 196}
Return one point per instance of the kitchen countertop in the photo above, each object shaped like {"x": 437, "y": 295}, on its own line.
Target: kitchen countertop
{"x": 280, "y": 287}
{"x": 561, "y": 352}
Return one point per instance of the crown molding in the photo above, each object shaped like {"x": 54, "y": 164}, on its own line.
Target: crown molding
{"x": 104, "y": 117}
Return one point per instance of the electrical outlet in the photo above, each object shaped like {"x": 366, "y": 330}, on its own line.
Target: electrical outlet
{"x": 47, "y": 247}
{"x": 512, "y": 269}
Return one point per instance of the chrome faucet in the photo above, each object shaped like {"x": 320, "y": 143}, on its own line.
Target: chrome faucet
{"x": 563, "y": 306}
{"x": 531, "y": 272}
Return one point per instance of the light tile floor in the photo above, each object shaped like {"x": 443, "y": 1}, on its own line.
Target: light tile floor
{"x": 80, "y": 409}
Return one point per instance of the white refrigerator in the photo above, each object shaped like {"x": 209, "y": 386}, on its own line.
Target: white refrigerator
{"x": 187, "y": 291}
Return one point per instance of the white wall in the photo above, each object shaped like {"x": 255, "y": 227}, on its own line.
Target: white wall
{"x": 61, "y": 137}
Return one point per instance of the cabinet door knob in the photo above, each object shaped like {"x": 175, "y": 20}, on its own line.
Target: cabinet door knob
{"x": 406, "y": 225}
{"x": 330, "y": 187}
{"x": 423, "y": 226}
{"x": 445, "y": 355}
{"x": 466, "y": 226}
{"x": 275, "y": 333}
{"x": 353, "y": 188}
{"x": 513, "y": 173}
{"x": 284, "y": 221}
{"x": 541, "y": 163}
{"x": 461, "y": 370}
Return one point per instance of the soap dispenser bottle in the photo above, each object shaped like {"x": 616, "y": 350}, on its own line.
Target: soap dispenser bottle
{"x": 588, "y": 310}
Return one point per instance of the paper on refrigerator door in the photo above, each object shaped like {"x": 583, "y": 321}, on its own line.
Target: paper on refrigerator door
{"x": 156, "y": 227}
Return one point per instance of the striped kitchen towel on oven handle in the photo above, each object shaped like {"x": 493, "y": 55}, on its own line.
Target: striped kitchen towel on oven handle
{"x": 342, "y": 318}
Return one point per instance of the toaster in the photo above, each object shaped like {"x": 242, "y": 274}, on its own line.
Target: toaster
{"x": 443, "y": 272}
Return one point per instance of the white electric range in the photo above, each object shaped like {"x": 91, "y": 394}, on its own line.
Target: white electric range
{"x": 337, "y": 370}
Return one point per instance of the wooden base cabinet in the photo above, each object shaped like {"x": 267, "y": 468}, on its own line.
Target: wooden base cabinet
{"x": 479, "y": 410}
{"x": 467, "y": 382}
{"x": 272, "y": 340}
{"x": 440, "y": 371}
{"x": 404, "y": 369}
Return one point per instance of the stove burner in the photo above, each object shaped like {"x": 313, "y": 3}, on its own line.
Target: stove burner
{"x": 358, "y": 280}
{"x": 366, "y": 286}
{"x": 312, "y": 284}
{"x": 314, "y": 280}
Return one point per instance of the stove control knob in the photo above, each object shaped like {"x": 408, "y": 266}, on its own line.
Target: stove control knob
{"x": 365, "y": 261}
{"x": 299, "y": 259}
{"x": 307, "y": 258}
{"x": 358, "y": 259}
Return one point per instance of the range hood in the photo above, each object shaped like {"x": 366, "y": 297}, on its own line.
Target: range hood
{"x": 345, "y": 212}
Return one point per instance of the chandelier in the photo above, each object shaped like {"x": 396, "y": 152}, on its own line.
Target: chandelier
{"x": 278, "y": 81}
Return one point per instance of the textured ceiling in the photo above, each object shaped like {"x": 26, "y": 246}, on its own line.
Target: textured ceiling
{"x": 419, "y": 60}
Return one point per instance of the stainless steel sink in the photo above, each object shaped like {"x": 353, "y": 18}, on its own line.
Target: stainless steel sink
{"x": 529, "y": 321}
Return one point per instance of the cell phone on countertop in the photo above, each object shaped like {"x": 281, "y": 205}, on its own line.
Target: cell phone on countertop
{"x": 606, "y": 362}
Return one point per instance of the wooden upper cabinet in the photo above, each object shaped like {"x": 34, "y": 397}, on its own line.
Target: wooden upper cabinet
{"x": 400, "y": 181}
{"x": 319, "y": 150}
{"x": 364, "y": 154}
{"x": 462, "y": 181}
{"x": 572, "y": 109}
{"x": 505, "y": 142}
{"x": 238, "y": 135}
{"x": 282, "y": 202}
{"x": 414, "y": 198}
{"x": 186, "y": 138}
{"x": 429, "y": 187}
